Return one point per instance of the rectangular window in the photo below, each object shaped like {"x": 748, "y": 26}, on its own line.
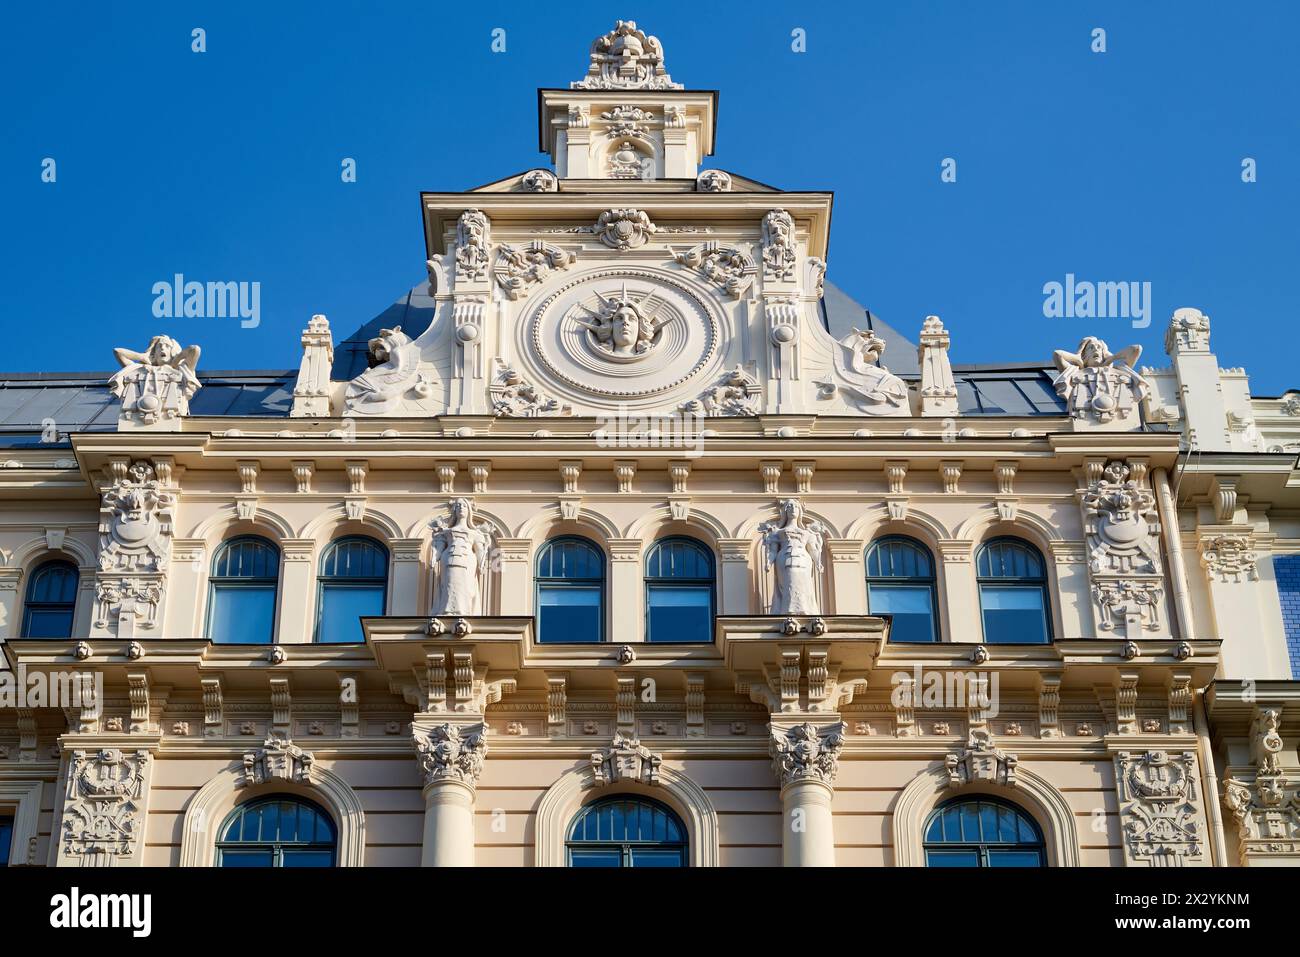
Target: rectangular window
{"x": 1013, "y": 614}
{"x": 48, "y": 623}
{"x": 680, "y": 613}
{"x": 243, "y": 614}
{"x": 912, "y": 608}
{"x": 341, "y": 606}
{"x": 953, "y": 858}
{"x": 6, "y": 838}
{"x": 569, "y": 613}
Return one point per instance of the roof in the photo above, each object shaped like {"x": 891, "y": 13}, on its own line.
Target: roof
{"x": 81, "y": 402}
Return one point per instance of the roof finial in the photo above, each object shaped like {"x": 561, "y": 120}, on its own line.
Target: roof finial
{"x": 626, "y": 59}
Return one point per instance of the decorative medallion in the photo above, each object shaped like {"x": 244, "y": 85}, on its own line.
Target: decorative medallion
{"x": 624, "y": 333}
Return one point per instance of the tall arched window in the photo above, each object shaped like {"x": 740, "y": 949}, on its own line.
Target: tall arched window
{"x": 679, "y": 591}
{"x": 241, "y": 591}
{"x": 627, "y": 831}
{"x": 1013, "y": 593}
{"x": 51, "y": 601}
{"x": 982, "y": 832}
{"x": 900, "y": 583}
{"x": 570, "y": 591}
{"x": 353, "y": 582}
{"x": 277, "y": 831}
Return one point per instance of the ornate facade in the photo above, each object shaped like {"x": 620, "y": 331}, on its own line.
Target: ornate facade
{"x": 623, "y": 510}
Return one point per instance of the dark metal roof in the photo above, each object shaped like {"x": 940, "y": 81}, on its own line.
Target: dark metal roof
{"x": 80, "y": 402}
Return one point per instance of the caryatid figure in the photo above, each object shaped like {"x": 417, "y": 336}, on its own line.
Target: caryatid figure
{"x": 792, "y": 548}
{"x": 460, "y": 558}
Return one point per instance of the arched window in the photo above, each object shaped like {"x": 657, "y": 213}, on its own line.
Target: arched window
{"x": 353, "y": 582}
{"x": 679, "y": 591}
{"x": 1013, "y": 593}
{"x": 51, "y": 601}
{"x": 570, "y": 591}
{"x": 241, "y": 591}
{"x": 982, "y": 832}
{"x": 277, "y": 831}
{"x": 626, "y": 831}
{"x": 900, "y": 583}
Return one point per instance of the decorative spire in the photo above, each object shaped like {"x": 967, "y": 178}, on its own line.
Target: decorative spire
{"x": 626, "y": 59}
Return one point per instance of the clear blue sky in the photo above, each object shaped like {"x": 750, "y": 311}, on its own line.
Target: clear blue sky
{"x": 225, "y": 165}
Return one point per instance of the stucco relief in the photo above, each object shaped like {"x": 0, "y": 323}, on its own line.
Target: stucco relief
{"x": 155, "y": 385}
{"x": 460, "y": 550}
{"x": 103, "y": 817}
{"x": 626, "y": 58}
{"x": 793, "y": 547}
{"x": 623, "y": 333}
{"x": 1160, "y": 811}
{"x": 394, "y": 375}
{"x": 1123, "y": 533}
{"x": 1101, "y": 388}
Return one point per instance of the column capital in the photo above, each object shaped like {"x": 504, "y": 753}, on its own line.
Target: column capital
{"x": 451, "y": 752}
{"x": 806, "y": 752}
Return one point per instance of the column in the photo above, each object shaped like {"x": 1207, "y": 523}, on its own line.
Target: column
{"x": 451, "y": 759}
{"x": 805, "y": 758}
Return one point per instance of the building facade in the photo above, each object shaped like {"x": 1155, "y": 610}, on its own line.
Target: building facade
{"x": 616, "y": 543}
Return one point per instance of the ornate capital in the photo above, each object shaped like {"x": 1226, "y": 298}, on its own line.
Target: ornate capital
{"x": 806, "y": 752}
{"x": 449, "y": 752}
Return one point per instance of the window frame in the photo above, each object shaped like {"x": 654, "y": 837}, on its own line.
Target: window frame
{"x": 1042, "y": 583}
{"x": 277, "y": 847}
{"x": 647, "y": 582}
{"x": 216, "y": 582}
{"x": 981, "y": 848}
{"x": 539, "y": 582}
{"x": 7, "y": 820}
{"x": 29, "y": 606}
{"x": 625, "y": 848}
{"x": 345, "y": 582}
{"x": 931, "y": 582}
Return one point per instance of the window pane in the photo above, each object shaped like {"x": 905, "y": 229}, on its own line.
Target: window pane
{"x": 6, "y": 838}
{"x": 242, "y": 614}
{"x": 247, "y": 857}
{"x": 1013, "y": 614}
{"x": 595, "y": 857}
{"x": 569, "y": 613}
{"x": 656, "y": 857}
{"x": 55, "y": 583}
{"x": 912, "y": 607}
{"x": 680, "y": 613}
{"x": 341, "y": 606}
{"x": 48, "y": 623}
{"x": 1026, "y": 858}
{"x": 294, "y": 857}
{"x": 952, "y": 858}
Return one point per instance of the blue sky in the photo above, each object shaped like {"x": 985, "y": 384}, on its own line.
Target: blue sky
{"x": 225, "y": 165}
